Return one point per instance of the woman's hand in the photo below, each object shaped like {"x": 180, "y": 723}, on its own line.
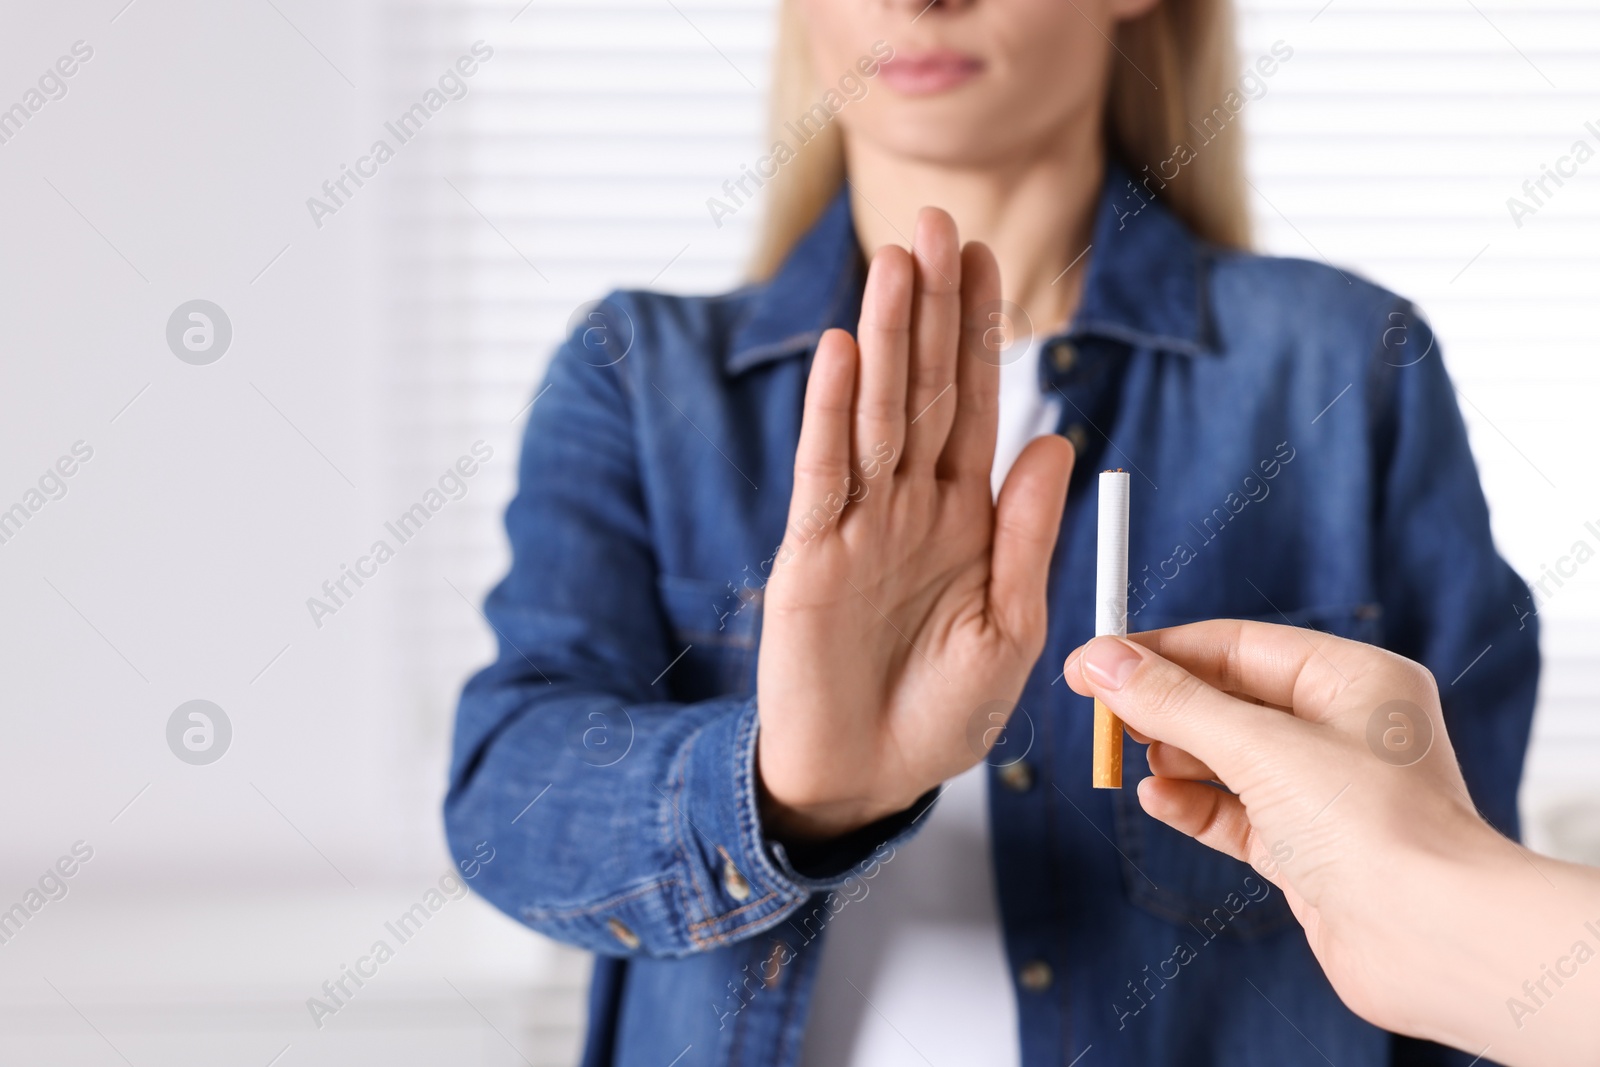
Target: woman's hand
{"x": 903, "y": 599}
{"x": 1345, "y": 793}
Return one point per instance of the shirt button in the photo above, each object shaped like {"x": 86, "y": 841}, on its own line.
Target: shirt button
{"x": 1078, "y": 436}
{"x": 1063, "y": 357}
{"x": 772, "y": 970}
{"x": 737, "y": 885}
{"x": 1017, "y": 777}
{"x": 1035, "y": 976}
{"x": 620, "y": 931}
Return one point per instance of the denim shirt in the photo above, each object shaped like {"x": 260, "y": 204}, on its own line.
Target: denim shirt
{"x": 1297, "y": 455}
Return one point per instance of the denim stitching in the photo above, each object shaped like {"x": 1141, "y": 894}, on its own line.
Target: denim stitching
{"x": 731, "y": 935}
{"x": 725, "y": 916}
{"x": 749, "y": 821}
{"x": 689, "y": 858}
{"x": 542, "y": 914}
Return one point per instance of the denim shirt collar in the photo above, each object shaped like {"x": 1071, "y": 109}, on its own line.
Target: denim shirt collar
{"x": 1145, "y": 286}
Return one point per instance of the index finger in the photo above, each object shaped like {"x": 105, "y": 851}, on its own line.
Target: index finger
{"x": 1286, "y": 666}
{"x": 1168, "y": 703}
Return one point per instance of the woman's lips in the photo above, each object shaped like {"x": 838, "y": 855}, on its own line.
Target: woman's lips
{"x": 926, "y": 73}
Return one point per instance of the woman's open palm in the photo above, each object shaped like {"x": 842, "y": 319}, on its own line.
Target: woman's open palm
{"x": 904, "y": 599}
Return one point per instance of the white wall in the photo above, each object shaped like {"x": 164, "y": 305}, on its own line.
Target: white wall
{"x": 414, "y": 322}
{"x": 178, "y": 564}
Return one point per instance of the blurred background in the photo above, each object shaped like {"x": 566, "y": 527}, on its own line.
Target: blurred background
{"x": 242, "y": 851}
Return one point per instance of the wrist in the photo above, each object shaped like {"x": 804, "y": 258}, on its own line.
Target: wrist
{"x": 821, "y": 819}
{"x": 1498, "y": 922}
{"x": 813, "y": 810}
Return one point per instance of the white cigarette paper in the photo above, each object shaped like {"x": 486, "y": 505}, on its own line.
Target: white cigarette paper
{"x": 1111, "y": 557}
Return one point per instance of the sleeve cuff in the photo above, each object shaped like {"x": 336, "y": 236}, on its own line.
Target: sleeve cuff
{"x": 740, "y": 881}
{"x": 828, "y": 864}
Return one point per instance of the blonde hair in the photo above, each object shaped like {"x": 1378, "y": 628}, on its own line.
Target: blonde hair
{"x": 1186, "y": 47}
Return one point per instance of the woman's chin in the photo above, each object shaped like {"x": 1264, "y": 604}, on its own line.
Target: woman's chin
{"x": 959, "y": 144}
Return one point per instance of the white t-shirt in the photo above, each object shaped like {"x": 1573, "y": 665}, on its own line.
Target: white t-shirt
{"x": 915, "y": 970}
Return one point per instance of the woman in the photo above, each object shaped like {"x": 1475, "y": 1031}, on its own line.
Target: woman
{"x": 1409, "y": 916}
{"x": 763, "y": 603}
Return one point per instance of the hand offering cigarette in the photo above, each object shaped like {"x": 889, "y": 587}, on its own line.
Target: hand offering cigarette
{"x": 1110, "y": 615}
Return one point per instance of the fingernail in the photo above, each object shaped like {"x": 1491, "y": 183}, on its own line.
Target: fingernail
{"x": 1110, "y": 662}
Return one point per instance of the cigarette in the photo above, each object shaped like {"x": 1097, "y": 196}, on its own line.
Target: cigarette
{"x": 1110, "y": 615}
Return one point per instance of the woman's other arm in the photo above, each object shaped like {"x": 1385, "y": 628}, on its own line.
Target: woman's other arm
{"x": 1449, "y": 601}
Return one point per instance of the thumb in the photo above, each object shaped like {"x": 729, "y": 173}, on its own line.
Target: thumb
{"x": 1160, "y": 699}
{"x": 1027, "y": 521}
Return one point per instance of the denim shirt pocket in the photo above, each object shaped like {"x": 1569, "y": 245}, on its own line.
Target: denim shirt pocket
{"x": 1179, "y": 879}
{"x": 715, "y": 629}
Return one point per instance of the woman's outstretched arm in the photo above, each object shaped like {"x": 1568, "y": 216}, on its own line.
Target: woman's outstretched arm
{"x": 613, "y": 813}
{"x": 903, "y": 599}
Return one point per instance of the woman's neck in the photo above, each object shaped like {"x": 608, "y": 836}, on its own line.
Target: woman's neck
{"x": 1035, "y": 214}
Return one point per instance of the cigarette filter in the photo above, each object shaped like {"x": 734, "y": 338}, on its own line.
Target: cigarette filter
{"x": 1110, "y": 615}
